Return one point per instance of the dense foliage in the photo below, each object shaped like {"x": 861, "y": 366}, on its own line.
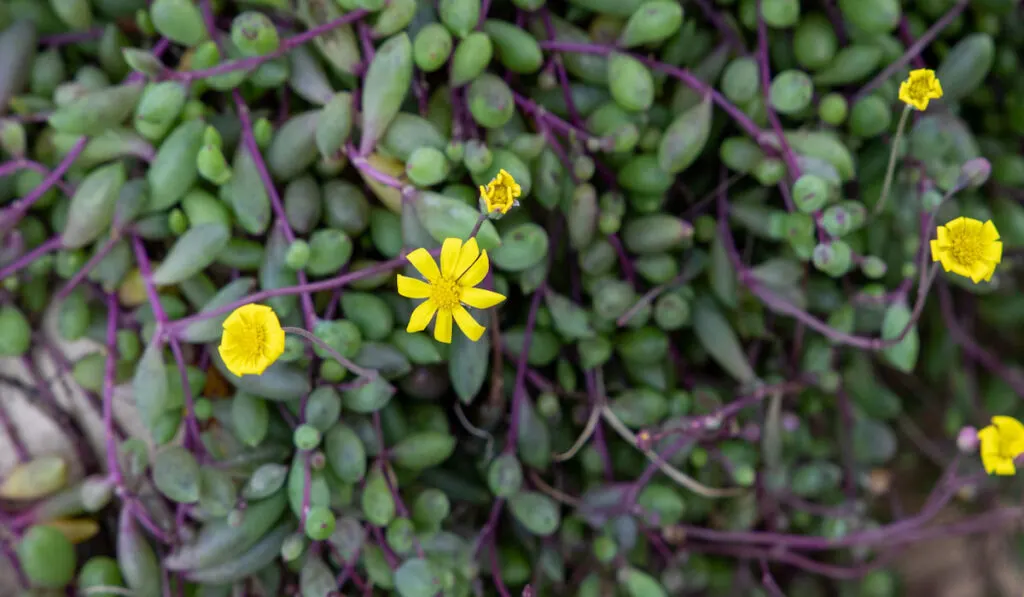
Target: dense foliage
{"x": 753, "y": 272}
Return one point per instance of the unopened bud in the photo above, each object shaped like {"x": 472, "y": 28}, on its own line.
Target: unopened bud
{"x": 967, "y": 440}
{"x": 975, "y": 173}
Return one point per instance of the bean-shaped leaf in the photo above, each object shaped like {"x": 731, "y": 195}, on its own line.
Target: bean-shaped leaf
{"x": 468, "y": 365}
{"x": 719, "y": 339}
{"x": 423, "y": 450}
{"x": 176, "y": 474}
{"x": 136, "y": 558}
{"x": 522, "y": 247}
{"x": 91, "y": 210}
{"x": 417, "y": 578}
{"x": 685, "y": 138}
{"x": 536, "y": 511}
{"x": 34, "y": 479}
{"x": 571, "y": 320}
{"x": 248, "y": 562}
{"x": 384, "y": 88}
{"x": 902, "y": 355}
{"x": 219, "y": 541}
{"x": 444, "y": 217}
{"x": 149, "y": 385}
{"x": 193, "y": 252}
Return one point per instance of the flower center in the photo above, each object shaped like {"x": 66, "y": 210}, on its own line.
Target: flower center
{"x": 967, "y": 249}
{"x": 500, "y": 195}
{"x": 919, "y": 88}
{"x": 445, "y": 293}
{"x": 257, "y": 336}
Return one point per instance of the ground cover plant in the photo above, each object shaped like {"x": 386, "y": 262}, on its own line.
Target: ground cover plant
{"x": 510, "y": 297}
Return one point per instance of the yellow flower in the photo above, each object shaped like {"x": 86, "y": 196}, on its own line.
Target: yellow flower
{"x": 1001, "y": 442}
{"x": 921, "y": 86}
{"x": 463, "y": 266}
{"x": 501, "y": 193}
{"x": 969, "y": 248}
{"x": 252, "y": 340}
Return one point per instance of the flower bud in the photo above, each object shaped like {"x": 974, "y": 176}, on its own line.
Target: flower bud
{"x": 967, "y": 440}
{"x": 975, "y": 173}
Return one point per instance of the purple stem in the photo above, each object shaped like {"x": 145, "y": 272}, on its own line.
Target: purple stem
{"x": 366, "y": 168}
{"x": 71, "y": 37}
{"x": 13, "y": 214}
{"x": 192, "y": 437}
{"x": 12, "y": 557}
{"x": 499, "y": 582}
{"x": 550, "y": 119}
{"x": 13, "y": 166}
{"x": 8, "y": 425}
{"x": 366, "y": 42}
{"x": 914, "y": 50}
{"x": 330, "y": 284}
{"x": 682, "y": 74}
{"x": 135, "y": 507}
{"x": 80, "y": 275}
{"x": 25, "y": 260}
{"x": 563, "y": 77}
{"x": 286, "y": 46}
{"x": 728, "y": 32}
{"x": 972, "y": 349}
{"x": 275, "y": 199}
{"x": 108, "y": 390}
{"x": 778, "y": 304}
{"x": 765, "y": 67}
{"x": 520, "y": 384}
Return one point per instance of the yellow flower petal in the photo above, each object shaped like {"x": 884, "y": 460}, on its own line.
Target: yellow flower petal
{"x": 979, "y": 270}
{"x": 467, "y": 324}
{"x": 443, "y": 327}
{"x": 942, "y": 234}
{"x": 989, "y": 231}
{"x": 252, "y": 340}
{"x": 994, "y": 252}
{"x": 413, "y": 288}
{"x": 1010, "y": 429}
{"x": 450, "y": 250}
{"x": 988, "y": 436}
{"x": 1005, "y": 467}
{"x": 936, "y": 251}
{"x": 421, "y": 316}
{"x": 955, "y": 225}
{"x": 424, "y": 264}
{"x": 476, "y": 272}
{"x": 480, "y": 298}
{"x": 467, "y": 256}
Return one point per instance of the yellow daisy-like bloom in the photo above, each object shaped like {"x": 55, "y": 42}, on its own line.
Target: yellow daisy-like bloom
{"x": 920, "y": 87}
{"x": 501, "y": 193}
{"x": 252, "y": 340}
{"x": 463, "y": 266}
{"x": 1001, "y": 442}
{"x": 968, "y": 247}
